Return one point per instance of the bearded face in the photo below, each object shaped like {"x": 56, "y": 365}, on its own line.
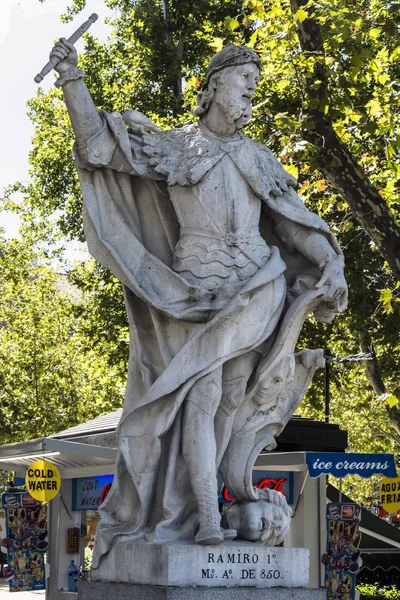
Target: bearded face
{"x": 234, "y": 92}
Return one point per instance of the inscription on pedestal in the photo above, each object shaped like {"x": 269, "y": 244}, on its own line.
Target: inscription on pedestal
{"x": 231, "y": 564}
{"x": 243, "y": 566}
{"x": 238, "y": 565}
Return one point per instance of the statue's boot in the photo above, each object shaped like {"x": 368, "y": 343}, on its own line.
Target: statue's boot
{"x": 229, "y": 534}
{"x": 199, "y": 450}
{"x": 233, "y": 393}
{"x": 209, "y": 532}
{"x": 208, "y": 538}
{"x": 236, "y": 374}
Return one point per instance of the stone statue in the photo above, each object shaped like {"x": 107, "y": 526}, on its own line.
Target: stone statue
{"x": 221, "y": 262}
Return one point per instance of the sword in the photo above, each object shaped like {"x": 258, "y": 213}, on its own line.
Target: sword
{"x": 74, "y": 38}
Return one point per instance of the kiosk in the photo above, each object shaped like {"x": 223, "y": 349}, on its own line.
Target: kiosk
{"x": 85, "y": 456}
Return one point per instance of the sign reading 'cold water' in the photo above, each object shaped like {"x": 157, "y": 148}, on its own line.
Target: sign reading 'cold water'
{"x": 89, "y": 492}
{"x": 43, "y": 480}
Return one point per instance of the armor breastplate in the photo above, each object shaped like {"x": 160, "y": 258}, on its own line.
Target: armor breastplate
{"x": 220, "y": 243}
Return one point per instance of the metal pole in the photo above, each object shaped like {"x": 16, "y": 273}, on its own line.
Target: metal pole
{"x": 327, "y": 386}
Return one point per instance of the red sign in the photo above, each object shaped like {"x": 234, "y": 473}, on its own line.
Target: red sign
{"x": 271, "y": 484}
{"x": 104, "y": 493}
{"x": 348, "y": 511}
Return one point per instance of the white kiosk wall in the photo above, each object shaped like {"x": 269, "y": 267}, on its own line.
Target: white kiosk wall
{"x": 61, "y": 518}
{"x": 308, "y": 528}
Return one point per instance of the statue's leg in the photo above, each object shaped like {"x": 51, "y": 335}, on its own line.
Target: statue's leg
{"x": 235, "y": 375}
{"x": 199, "y": 450}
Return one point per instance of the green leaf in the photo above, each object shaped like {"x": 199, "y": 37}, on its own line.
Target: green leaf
{"x": 384, "y": 78}
{"x": 386, "y": 296}
{"x": 292, "y": 169}
{"x": 374, "y": 33}
{"x": 193, "y": 82}
{"x": 217, "y": 44}
{"x": 253, "y": 39}
{"x": 355, "y": 117}
{"x": 392, "y": 401}
{"x": 301, "y": 15}
{"x": 231, "y": 24}
{"x": 357, "y": 60}
{"x": 395, "y": 55}
{"x": 283, "y": 85}
{"x": 374, "y": 108}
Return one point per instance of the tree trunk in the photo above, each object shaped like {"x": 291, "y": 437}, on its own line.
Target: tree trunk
{"x": 373, "y": 374}
{"x": 335, "y": 160}
{"x": 176, "y": 52}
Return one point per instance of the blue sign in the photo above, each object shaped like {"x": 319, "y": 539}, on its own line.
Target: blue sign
{"x": 89, "y": 492}
{"x": 342, "y": 464}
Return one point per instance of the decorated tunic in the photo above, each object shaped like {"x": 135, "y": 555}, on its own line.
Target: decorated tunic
{"x": 216, "y": 186}
{"x": 220, "y": 246}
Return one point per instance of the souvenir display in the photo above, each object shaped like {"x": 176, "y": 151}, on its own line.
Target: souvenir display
{"x": 342, "y": 560}
{"x": 73, "y": 540}
{"x": 26, "y": 541}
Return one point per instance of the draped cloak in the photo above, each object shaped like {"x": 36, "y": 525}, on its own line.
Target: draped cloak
{"x": 179, "y": 332}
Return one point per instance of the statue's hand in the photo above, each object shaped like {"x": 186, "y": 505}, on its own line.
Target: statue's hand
{"x": 333, "y": 276}
{"x": 66, "y": 53}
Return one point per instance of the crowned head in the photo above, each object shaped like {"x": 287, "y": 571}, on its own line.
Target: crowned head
{"x": 231, "y": 80}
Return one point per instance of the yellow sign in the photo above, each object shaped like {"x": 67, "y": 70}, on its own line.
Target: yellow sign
{"x": 43, "y": 480}
{"x": 390, "y": 495}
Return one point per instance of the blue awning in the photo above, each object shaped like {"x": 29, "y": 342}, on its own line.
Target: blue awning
{"x": 350, "y": 463}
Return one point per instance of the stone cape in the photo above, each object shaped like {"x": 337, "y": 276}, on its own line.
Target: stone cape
{"x": 178, "y": 331}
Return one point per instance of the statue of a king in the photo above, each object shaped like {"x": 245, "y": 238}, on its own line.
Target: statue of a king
{"x": 220, "y": 262}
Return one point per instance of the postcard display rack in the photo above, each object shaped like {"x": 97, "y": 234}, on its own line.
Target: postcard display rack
{"x": 26, "y": 522}
{"x": 342, "y": 561}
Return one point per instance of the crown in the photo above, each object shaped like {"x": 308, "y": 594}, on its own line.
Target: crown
{"x": 229, "y": 56}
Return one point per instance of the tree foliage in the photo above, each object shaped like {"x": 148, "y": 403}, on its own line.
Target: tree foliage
{"x": 54, "y": 372}
{"x": 376, "y": 592}
{"x": 327, "y": 105}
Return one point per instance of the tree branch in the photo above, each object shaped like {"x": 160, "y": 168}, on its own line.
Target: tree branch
{"x": 378, "y": 430}
{"x": 372, "y": 370}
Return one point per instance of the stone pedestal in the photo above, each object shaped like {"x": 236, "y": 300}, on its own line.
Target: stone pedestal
{"x": 232, "y": 564}
{"x": 99, "y": 590}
